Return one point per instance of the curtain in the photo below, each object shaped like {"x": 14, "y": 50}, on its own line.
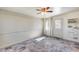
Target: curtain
{"x": 53, "y": 27}
{"x": 48, "y": 28}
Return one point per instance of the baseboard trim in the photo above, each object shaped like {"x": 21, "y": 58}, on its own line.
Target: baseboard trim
{"x": 59, "y": 38}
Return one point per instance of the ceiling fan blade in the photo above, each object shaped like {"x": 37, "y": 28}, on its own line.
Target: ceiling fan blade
{"x": 48, "y": 8}
{"x": 39, "y": 13}
{"x": 38, "y": 9}
{"x": 49, "y": 11}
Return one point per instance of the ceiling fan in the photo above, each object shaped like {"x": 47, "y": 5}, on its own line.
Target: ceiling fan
{"x": 44, "y": 10}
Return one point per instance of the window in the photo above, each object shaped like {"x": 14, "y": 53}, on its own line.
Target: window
{"x": 57, "y": 24}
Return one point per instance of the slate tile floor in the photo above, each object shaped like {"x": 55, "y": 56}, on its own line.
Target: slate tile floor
{"x": 47, "y": 44}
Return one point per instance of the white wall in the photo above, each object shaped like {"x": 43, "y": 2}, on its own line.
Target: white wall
{"x": 15, "y": 27}
{"x": 65, "y": 32}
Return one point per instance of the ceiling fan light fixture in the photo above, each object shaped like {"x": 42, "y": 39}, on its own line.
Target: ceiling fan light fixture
{"x": 44, "y": 10}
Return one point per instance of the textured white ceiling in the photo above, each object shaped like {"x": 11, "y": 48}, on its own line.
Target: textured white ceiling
{"x": 32, "y": 10}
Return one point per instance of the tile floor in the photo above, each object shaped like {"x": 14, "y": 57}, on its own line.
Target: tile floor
{"x": 45, "y": 44}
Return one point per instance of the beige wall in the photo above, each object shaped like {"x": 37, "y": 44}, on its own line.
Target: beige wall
{"x": 65, "y": 32}
{"x": 15, "y": 27}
